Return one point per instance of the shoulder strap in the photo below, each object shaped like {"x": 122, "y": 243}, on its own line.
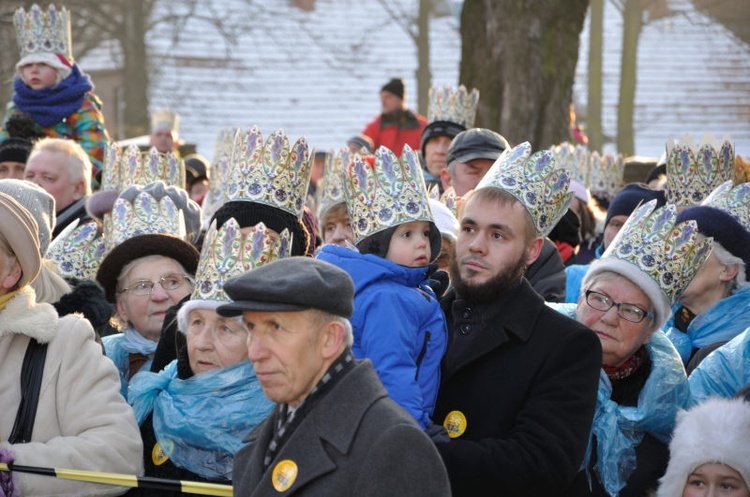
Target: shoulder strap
{"x": 31, "y": 383}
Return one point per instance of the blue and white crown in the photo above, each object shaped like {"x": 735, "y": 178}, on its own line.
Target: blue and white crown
{"x": 535, "y": 181}
{"x": 693, "y": 172}
{"x": 606, "y": 174}
{"x": 453, "y": 105}
{"x": 131, "y": 167}
{"x": 734, "y": 200}
{"x": 334, "y": 173}
{"x": 574, "y": 158}
{"x": 43, "y": 32}
{"x": 217, "y": 183}
{"x": 143, "y": 216}
{"x": 77, "y": 250}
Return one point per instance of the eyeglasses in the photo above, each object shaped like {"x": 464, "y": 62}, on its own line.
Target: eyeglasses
{"x": 628, "y": 312}
{"x": 169, "y": 283}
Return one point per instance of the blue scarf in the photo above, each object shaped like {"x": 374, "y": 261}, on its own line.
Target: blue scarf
{"x": 51, "y": 105}
{"x": 200, "y": 422}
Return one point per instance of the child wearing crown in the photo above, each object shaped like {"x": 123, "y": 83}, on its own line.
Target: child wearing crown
{"x": 50, "y": 87}
{"x": 397, "y": 320}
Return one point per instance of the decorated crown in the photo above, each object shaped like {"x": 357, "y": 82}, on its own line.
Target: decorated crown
{"x": 334, "y": 172}
{"x": 131, "y": 167}
{"x": 574, "y": 158}
{"x": 386, "y": 194}
{"x": 455, "y": 106}
{"x": 606, "y": 173}
{"x": 77, "y": 250}
{"x": 693, "y": 172}
{"x": 735, "y": 201}
{"x": 143, "y": 216}
{"x": 271, "y": 173}
{"x": 227, "y": 252}
{"x": 165, "y": 120}
{"x": 43, "y": 32}
{"x": 535, "y": 181}
{"x": 669, "y": 253}
{"x": 448, "y": 198}
{"x": 217, "y": 187}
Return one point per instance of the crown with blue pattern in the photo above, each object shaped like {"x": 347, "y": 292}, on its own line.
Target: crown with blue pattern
{"x": 77, "y": 250}
{"x": 145, "y": 215}
{"x": 40, "y": 31}
{"x": 453, "y": 105}
{"x": 734, "y": 200}
{"x": 131, "y": 167}
{"x": 606, "y": 174}
{"x": 334, "y": 173}
{"x": 694, "y": 171}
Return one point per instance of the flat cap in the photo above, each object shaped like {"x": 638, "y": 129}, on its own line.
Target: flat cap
{"x": 476, "y": 143}
{"x": 291, "y": 284}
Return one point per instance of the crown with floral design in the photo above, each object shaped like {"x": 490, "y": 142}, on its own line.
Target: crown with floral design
{"x": 165, "y": 120}
{"x": 535, "y": 181}
{"x": 78, "y": 250}
{"x": 451, "y": 105}
{"x": 227, "y": 252}
{"x": 606, "y": 174}
{"x": 43, "y": 32}
{"x": 669, "y": 253}
{"x": 693, "y": 172}
{"x": 131, "y": 167}
{"x": 271, "y": 173}
{"x": 734, "y": 200}
{"x": 387, "y": 193}
{"x": 574, "y": 158}
{"x": 145, "y": 215}
{"x": 448, "y": 198}
{"x": 217, "y": 187}
{"x": 334, "y": 173}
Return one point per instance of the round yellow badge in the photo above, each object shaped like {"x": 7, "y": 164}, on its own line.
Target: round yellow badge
{"x": 455, "y": 424}
{"x": 284, "y": 475}
{"x": 158, "y": 455}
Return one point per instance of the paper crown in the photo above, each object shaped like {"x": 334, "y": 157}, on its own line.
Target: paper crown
{"x": 734, "y": 200}
{"x": 448, "y": 198}
{"x": 271, "y": 173}
{"x": 451, "y": 105}
{"x": 574, "y": 158}
{"x": 217, "y": 187}
{"x": 388, "y": 193}
{"x": 606, "y": 174}
{"x": 165, "y": 120}
{"x": 43, "y": 32}
{"x": 535, "y": 181}
{"x": 693, "y": 172}
{"x": 143, "y": 216}
{"x": 669, "y": 253}
{"x": 227, "y": 252}
{"x": 77, "y": 250}
{"x": 131, "y": 167}
{"x": 334, "y": 172}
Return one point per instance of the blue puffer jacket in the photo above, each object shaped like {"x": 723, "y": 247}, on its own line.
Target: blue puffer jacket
{"x": 398, "y": 325}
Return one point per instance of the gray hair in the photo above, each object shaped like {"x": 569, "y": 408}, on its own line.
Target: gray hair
{"x": 728, "y": 259}
{"x": 321, "y": 318}
{"x": 78, "y": 162}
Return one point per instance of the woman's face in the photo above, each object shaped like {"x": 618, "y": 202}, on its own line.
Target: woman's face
{"x": 710, "y": 284}
{"x": 214, "y": 341}
{"x": 10, "y": 271}
{"x": 620, "y": 338}
{"x": 146, "y": 312}
{"x": 715, "y": 480}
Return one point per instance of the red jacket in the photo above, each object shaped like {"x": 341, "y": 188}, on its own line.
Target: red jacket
{"x": 395, "y": 131}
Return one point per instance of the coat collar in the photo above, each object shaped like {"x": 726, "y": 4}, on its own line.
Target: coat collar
{"x": 24, "y": 316}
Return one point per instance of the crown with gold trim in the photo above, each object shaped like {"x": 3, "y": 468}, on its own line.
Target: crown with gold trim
{"x": 453, "y": 105}
{"x": 574, "y": 158}
{"x": 43, "y": 32}
{"x": 734, "y": 200}
{"x": 606, "y": 174}
{"x": 227, "y": 252}
{"x": 131, "y": 167}
{"x": 448, "y": 198}
{"x": 670, "y": 253}
{"x": 165, "y": 120}
{"x": 535, "y": 180}
{"x": 387, "y": 193}
{"x": 334, "y": 173}
{"x": 217, "y": 187}
{"x": 693, "y": 172}
{"x": 270, "y": 172}
{"x": 78, "y": 250}
{"x": 145, "y": 215}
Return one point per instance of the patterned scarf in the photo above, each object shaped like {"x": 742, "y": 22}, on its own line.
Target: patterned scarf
{"x": 48, "y": 106}
{"x": 628, "y": 367}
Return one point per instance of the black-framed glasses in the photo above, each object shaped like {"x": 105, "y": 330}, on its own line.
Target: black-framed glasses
{"x": 169, "y": 282}
{"x": 628, "y": 312}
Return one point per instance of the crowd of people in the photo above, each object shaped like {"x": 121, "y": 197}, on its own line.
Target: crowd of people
{"x": 430, "y": 310}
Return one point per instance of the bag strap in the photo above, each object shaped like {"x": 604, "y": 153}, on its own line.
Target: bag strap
{"x": 31, "y": 384}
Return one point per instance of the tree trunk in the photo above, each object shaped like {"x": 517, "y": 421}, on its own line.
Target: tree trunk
{"x": 521, "y": 55}
{"x": 424, "y": 76}
{"x": 135, "y": 70}
{"x": 631, "y": 30}
{"x": 594, "y": 105}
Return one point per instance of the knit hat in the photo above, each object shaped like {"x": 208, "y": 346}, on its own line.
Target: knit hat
{"x": 196, "y": 167}
{"x": 580, "y": 191}
{"x": 20, "y": 230}
{"x": 15, "y": 150}
{"x": 627, "y": 199}
{"x": 395, "y": 86}
{"x": 446, "y": 222}
{"x": 365, "y": 143}
{"x": 715, "y": 431}
{"x": 56, "y": 61}
{"x": 39, "y": 203}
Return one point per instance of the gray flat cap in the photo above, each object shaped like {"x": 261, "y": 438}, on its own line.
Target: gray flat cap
{"x": 291, "y": 284}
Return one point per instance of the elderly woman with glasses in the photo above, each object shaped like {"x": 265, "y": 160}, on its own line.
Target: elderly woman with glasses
{"x": 625, "y": 299}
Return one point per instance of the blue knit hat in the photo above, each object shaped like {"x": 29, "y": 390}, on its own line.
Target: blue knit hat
{"x": 631, "y": 195}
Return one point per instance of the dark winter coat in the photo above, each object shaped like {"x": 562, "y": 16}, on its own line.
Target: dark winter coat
{"x": 547, "y": 273}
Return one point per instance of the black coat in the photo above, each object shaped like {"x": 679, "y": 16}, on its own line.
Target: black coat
{"x": 525, "y": 377}
{"x": 547, "y": 273}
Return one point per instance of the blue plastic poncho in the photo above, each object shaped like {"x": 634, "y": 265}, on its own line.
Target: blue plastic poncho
{"x": 200, "y": 422}
{"x": 725, "y": 371}
{"x": 721, "y": 322}
{"x": 118, "y": 348}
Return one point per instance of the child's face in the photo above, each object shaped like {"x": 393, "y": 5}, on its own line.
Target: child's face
{"x": 410, "y": 244}
{"x": 38, "y": 75}
{"x": 715, "y": 480}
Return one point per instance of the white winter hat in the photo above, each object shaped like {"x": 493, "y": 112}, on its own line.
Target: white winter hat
{"x": 57, "y": 61}
{"x": 445, "y": 221}
{"x": 716, "y": 431}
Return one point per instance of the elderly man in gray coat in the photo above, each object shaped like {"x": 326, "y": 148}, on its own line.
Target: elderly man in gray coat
{"x": 334, "y": 430}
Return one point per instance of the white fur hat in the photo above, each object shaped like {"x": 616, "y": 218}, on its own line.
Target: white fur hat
{"x": 716, "y": 431}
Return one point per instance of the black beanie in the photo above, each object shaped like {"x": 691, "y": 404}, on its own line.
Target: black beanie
{"x": 395, "y": 86}
{"x": 439, "y": 128}
{"x": 251, "y": 213}
{"x": 15, "y": 150}
{"x": 632, "y": 195}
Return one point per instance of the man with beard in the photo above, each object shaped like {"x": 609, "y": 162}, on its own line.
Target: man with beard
{"x": 519, "y": 380}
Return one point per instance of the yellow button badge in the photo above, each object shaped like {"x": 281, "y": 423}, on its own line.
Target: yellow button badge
{"x": 284, "y": 475}
{"x": 455, "y": 424}
{"x": 158, "y": 455}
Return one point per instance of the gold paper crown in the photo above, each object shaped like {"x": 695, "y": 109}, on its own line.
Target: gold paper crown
{"x": 606, "y": 173}
{"x": 669, "y": 253}
{"x": 535, "y": 181}
{"x": 133, "y": 168}
{"x": 386, "y": 194}
{"x": 455, "y": 106}
{"x": 227, "y": 252}
{"x": 574, "y": 158}
{"x": 448, "y": 198}
{"x": 734, "y": 200}
{"x": 217, "y": 187}
{"x": 43, "y": 32}
{"x": 334, "y": 173}
{"x": 165, "y": 120}
{"x": 143, "y": 216}
{"x": 78, "y": 250}
{"x": 693, "y": 172}
{"x": 271, "y": 173}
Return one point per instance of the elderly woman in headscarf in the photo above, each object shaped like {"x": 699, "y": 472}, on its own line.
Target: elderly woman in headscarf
{"x": 625, "y": 299}
{"x": 195, "y": 413}
{"x": 60, "y": 398}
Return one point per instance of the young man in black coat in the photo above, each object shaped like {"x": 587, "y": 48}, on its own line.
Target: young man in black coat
{"x": 519, "y": 380}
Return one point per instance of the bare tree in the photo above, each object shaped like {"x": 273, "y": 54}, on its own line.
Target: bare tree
{"x": 594, "y": 104}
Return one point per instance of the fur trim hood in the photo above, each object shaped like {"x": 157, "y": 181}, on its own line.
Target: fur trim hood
{"x": 24, "y": 316}
{"x": 716, "y": 431}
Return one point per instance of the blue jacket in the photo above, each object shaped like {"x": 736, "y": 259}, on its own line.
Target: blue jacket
{"x": 724, "y": 372}
{"x": 574, "y": 275}
{"x": 398, "y": 325}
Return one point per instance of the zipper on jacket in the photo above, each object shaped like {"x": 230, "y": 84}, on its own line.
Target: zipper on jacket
{"x": 422, "y": 353}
